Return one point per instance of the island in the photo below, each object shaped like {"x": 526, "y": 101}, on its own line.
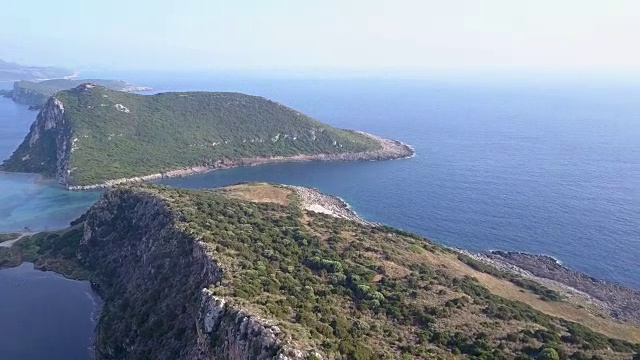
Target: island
{"x": 11, "y": 71}
{"x": 36, "y": 94}
{"x": 91, "y": 137}
{"x": 268, "y": 271}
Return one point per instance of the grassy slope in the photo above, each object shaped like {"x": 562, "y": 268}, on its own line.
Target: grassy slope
{"x": 54, "y": 251}
{"x": 174, "y": 130}
{"x": 346, "y": 288}
{"x": 373, "y": 292}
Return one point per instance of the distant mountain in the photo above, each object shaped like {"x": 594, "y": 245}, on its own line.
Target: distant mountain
{"x": 93, "y": 136}
{"x": 10, "y": 71}
{"x": 36, "y": 94}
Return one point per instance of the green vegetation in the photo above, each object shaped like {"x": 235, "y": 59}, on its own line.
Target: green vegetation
{"x": 122, "y": 135}
{"x": 349, "y": 290}
{"x": 544, "y": 292}
{"x": 8, "y": 236}
{"x": 36, "y": 94}
{"x": 364, "y": 292}
{"x": 55, "y": 251}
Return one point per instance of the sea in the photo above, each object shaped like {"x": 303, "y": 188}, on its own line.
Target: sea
{"x": 547, "y": 166}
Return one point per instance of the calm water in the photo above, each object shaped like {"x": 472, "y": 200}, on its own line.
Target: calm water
{"x": 45, "y": 316}
{"x": 543, "y": 168}
{"x": 23, "y": 202}
{"x": 548, "y": 168}
{"x": 538, "y": 167}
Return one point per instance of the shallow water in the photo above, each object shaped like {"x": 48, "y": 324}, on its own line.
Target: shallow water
{"x": 25, "y": 202}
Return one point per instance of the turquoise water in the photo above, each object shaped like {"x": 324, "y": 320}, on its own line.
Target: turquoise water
{"x": 42, "y": 314}
{"x": 23, "y": 201}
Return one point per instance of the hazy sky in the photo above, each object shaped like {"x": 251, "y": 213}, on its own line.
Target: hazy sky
{"x": 351, "y": 34}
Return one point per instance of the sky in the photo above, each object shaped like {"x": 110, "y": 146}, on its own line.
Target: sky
{"x": 327, "y": 34}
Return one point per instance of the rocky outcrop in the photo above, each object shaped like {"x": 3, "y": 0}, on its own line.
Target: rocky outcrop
{"x": 314, "y": 200}
{"x": 47, "y": 147}
{"x": 154, "y": 280}
{"x": 27, "y": 96}
{"x": 620, "y": 302}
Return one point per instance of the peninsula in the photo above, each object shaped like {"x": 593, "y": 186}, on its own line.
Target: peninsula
{"x": 91, "y": 137}
{"x": 267, "y": 271}
{"x": 36, "y": 94}
{"x": 11, "y": 71}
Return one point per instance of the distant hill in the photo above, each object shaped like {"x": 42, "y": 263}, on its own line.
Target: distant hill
{"x": 262, "y": 271}
{"x": 95, "y": 136}
{"x": 10, "y": 71}
{"x": 36, "y": 94}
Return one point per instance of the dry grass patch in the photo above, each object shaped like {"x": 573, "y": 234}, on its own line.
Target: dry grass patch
{"x": 259, "y": 192}
{"x": 562, "y": 309}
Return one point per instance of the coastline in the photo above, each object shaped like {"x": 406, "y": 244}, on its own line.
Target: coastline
{"x": 390, "y": 150}
{"x": 21, "y": 235}
{"x": 617, "y": 301}
{"x": 599, "y": 297}
{"x": 316, "y": 201}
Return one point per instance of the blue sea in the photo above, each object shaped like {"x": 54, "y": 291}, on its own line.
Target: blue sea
{"x": 542, "y": 166}
{"x": 44, "y": 316}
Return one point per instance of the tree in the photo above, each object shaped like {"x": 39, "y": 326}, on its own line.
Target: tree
{"x": 549, "y": 354}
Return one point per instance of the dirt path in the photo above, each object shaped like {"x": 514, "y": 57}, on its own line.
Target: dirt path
{"x": 9, "y": 243}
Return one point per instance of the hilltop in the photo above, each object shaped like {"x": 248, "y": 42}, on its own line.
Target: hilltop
{"x": 265, "y": 271}
{"x": 36, "y": 94}
{"x": 10, "y": 71}
{"x": 91, "y": 136}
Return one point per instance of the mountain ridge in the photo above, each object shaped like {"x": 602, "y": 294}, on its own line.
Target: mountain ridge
{"x": 36, "y": 94}
{"x": 91, "y": 136}
{"x": 267, "y": 271}
{"x": 11, "y": 71}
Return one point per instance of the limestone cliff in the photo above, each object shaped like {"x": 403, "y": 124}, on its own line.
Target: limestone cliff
{"x": 47, "y": 147}
{"x": 91, "y": 137}
{"x": 27, "y": 96}
{"x": 154, "y": 279}
{"x": 267, "y": 271}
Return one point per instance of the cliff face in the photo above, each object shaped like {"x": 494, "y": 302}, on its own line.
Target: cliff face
{"x": 122, "y": 137}
{"x": 154, "y": 278}
{"x": 26, "y": 96}
{"x": 52, "y": 139}
{"x": 47, "y": 147}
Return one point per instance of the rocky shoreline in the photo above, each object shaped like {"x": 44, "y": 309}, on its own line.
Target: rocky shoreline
{"x": 314, "y": 200}
{"x": 390, "y": 150}
{"x": 617, "y": 301}
{"x": 614, "y": 300}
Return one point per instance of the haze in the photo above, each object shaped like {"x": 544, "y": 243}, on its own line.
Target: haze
{"x": 329, "y": 34}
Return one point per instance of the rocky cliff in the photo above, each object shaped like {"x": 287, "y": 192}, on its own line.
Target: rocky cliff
{"x": 91, "y": 137}
{"x": 154, "y": 279}
{"x": 28, "y": 96}
{"x": 47, "y": 147}
{"x": 267, "y": 271}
